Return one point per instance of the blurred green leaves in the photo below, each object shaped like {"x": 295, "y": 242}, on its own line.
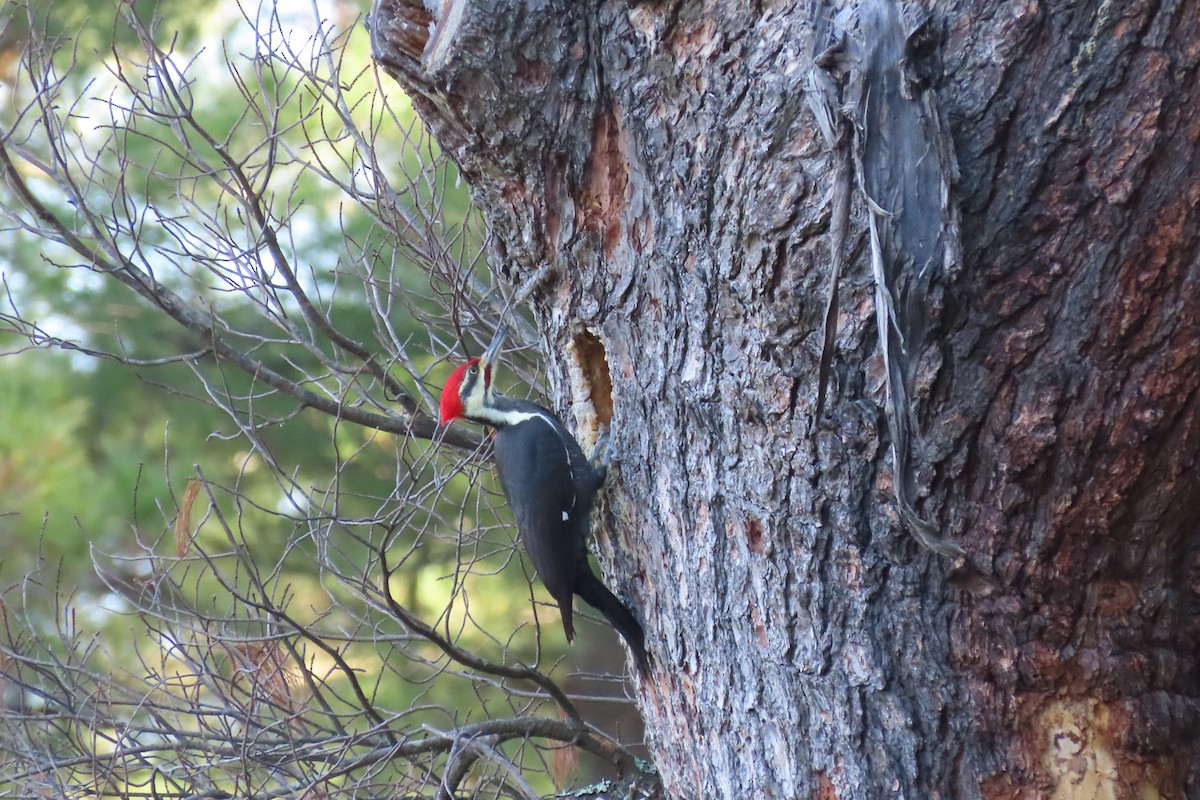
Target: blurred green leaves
{"x": 215, "y": 217}
{"x": 204, "y": 166}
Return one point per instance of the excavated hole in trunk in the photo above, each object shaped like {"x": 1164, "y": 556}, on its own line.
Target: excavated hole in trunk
{"x": 591, "y": 384}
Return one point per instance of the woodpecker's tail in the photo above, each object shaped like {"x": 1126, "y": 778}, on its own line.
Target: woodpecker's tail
{"x": 568, "y": 617}
{"x": 597, "y": 595}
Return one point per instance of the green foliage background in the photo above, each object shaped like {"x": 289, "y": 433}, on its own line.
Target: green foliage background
{"x": 94, "y": 454}
{"x": 92, "y": 450}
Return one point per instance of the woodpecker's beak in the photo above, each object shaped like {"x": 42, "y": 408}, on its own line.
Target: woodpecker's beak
{"x": 493, "y": 352}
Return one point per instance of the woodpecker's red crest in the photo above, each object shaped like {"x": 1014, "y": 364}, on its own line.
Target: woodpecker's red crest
{"x": 452, "y": 404}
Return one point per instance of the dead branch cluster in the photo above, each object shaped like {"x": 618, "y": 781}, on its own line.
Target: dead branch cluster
{"x": 193, "y": 669}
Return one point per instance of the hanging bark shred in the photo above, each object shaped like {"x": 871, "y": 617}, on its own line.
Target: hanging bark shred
{"x": 905, "y": 167}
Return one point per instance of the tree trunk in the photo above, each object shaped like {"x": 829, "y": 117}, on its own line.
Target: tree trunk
{"x": 655, "y": 172}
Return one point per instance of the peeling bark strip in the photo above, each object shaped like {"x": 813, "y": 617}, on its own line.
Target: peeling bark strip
{"x": 660, "y": 163}
{"x": 905, "y": 165}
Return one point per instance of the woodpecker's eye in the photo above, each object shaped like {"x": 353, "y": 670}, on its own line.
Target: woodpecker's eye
{"x": 471, "y": 370}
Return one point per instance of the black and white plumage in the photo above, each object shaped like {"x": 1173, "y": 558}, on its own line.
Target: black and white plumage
{"x": 550, "y": 486}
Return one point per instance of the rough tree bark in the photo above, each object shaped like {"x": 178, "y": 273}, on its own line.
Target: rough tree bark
{"x": 656, "y": 168}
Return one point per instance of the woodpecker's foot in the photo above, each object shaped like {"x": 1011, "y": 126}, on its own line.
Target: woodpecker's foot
{"x": 602, "y": 452}
{"x": 598, "y": 462}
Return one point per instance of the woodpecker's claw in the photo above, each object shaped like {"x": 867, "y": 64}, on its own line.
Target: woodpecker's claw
{"x": 602, "y": 451}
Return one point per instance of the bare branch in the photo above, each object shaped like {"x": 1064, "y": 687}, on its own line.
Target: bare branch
{"x": 299, "y": 244}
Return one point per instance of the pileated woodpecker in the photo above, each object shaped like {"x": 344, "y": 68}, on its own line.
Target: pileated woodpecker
{"x": 550, "y": 486}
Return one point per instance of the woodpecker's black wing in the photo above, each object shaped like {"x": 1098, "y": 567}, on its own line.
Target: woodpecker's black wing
{"x": 534, "y": 459}
{"x": 550, "y": 486}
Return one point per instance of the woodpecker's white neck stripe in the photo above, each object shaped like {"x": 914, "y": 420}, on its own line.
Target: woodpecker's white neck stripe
{"x": 496, "y": 417}
{"x": 490, "y": 415}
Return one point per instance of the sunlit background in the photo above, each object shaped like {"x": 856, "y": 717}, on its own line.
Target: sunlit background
{"x": 136, "y": 586}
